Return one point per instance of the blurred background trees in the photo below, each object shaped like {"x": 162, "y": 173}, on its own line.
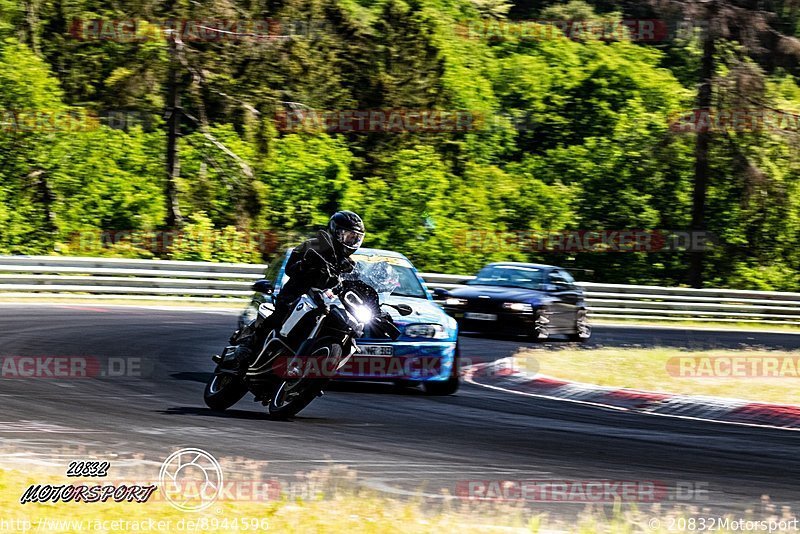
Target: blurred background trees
{"x": 571, "y": 132}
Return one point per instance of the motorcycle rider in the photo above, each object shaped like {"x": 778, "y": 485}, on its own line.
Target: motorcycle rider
{"x": 306, "y": 269}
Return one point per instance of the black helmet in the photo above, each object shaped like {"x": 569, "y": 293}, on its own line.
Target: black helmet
{"x": 347, "y": 230}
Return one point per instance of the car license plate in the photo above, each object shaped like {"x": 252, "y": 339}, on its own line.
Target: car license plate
{"x": 377, "y": 350}
{"x": 480, "y": 316}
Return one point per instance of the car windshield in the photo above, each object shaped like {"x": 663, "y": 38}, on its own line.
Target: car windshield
{"x": 509, "y": 276}
{"x": 409, "y": 285}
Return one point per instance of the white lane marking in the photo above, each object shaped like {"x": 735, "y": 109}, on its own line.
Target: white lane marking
{"x": 79, "y": 395}
{"x": 379, "y": 485}
{"x": 41, "y": 426}
{"x": 727, "y": 402}
{"x": 470, "y": 380}
{"x": 360, "y": 463}
{"x": 214, "y": 310}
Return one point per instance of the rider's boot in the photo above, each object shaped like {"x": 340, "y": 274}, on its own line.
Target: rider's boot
{"x": 241, "y": 355}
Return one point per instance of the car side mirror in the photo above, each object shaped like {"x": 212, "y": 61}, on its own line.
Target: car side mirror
{"x": 404, "y": 309}
{"x": 263, "y": 286}
{"x": 440, "y": 293}
{"x": 549, "y": 288}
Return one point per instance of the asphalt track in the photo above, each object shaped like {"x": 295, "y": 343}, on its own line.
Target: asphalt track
{"x": 398, "y": 441}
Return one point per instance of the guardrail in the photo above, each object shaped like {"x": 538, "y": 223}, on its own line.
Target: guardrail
{"x": 49, "y": 277}
{"x": 621, "y": 301}
{"x": 53, "y": 277}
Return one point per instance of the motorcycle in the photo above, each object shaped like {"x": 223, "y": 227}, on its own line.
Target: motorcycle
{"x": 321, "y": 330}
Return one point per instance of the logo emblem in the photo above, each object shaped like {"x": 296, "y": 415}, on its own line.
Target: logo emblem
{"x": 190, "y": 479}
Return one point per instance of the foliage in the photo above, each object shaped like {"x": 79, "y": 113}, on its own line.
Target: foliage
{"x": 200, "y": 241}
{"x": 566, "y": 134}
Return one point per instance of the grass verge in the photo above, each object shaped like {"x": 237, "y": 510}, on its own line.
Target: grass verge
{"x": 676, "y": 370}
{"x": 348, "y": 509}
{"x": 688, "y": 324}
{"x": 345, "y": 508}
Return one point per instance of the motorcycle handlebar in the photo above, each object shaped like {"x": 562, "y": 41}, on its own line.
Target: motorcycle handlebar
{"x": 317, "y": 296}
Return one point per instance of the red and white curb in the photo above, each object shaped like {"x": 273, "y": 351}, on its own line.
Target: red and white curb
{"x": 502, "y": 375}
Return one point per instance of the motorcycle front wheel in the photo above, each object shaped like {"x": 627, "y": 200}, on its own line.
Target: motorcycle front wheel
{"x": 294, "y": 394}
{"x": 223, "y": 391}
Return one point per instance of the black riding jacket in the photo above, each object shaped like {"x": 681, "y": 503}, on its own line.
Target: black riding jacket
{"x": 306, "y": 271}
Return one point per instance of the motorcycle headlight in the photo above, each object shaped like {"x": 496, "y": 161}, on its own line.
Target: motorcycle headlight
{"x": 518, "y": 306}
{"x": 362, "y": 314}
{"x": 432, "y": 331}
{"x": 452, "y": 301}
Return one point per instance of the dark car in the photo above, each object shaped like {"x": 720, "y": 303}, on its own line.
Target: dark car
{"x": 520, "y": 298}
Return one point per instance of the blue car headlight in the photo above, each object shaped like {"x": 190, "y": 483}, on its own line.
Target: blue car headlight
{"x": 430, "y": 331}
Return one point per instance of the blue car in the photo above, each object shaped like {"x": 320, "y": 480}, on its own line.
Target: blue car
{"x": 426, "y": 352}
